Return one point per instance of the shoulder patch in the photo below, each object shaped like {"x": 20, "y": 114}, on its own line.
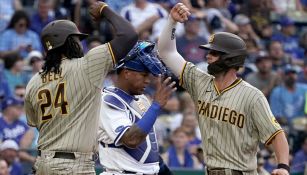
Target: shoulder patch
{"x": 113, "y": 102}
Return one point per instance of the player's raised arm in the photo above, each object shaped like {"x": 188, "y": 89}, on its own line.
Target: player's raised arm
{"x": 125, "y": 35}
{"x": 167, "y": 43}
{"x": 137, "y": 133}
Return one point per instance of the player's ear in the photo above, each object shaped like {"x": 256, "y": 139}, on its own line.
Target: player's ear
{"x": 126, "y": 73}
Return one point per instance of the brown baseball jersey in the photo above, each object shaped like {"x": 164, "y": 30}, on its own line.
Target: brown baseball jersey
{"x": 232, "y": 122}
{"x": 65, "y": 106}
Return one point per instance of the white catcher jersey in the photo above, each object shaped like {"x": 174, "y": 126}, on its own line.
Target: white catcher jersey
{"x": 118, "y": 112}
{"x": 232, "y": 122}
{"x": 65, "y": 106}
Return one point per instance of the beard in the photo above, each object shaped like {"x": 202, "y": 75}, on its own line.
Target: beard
{"x": 290, "y": 82}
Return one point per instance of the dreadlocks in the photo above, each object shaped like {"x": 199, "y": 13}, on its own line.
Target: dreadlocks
{"x": 71, "y": 50}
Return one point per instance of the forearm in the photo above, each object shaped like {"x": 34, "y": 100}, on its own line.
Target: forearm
{"x": 136, "y": 134}
{"x": 281, "y": 148}
{"x": 230, "y": 26}
{"x": 125, "y": 35}
{"x": 146, "y": 25}
{"x": 167, "y": 48}
{"x": 24, "y": 156}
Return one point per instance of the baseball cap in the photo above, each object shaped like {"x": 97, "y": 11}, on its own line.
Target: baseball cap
{"x": 262, "y": 55}
{"x": 290, "y": 69}
{"x": 241, "y": 19}
{"x": 9, "y": 144}
{"x": 34, "y": 56}
{"x": 286, "y": 21}
{"x": 11, "y": 101}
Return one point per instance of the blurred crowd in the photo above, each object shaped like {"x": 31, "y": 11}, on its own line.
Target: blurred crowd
{"x": 275, "y": 32}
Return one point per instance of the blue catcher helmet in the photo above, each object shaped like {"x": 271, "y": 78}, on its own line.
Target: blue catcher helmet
{"x": 142, "y": 58}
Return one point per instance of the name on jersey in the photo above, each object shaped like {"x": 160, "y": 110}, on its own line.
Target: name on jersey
{"x": 52, "y": 76}
{"x": 221, "y": 113}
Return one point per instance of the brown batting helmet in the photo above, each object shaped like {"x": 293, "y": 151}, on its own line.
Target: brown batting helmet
{"x": 56, "y": 32}
{"x": 231, "y": 45}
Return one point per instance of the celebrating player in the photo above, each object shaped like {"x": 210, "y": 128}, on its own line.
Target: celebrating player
{"x": 127, "y": 138}
{"x": 63, "y": 100}
{"x": 233, "y": 115}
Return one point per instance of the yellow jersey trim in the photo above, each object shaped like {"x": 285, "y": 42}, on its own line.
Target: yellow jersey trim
{"x": 272, "y": 137}
{"x": 235, "y": 83}
{"x": 215, "y": 88}
{"x": 112, "y": 54}
{"x": 181, "y": 74}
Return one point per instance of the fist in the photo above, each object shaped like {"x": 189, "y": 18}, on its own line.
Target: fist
{"x": 95, "y": 10}
{"x": 180, "y": 13}
{"x": 280, "y": 172}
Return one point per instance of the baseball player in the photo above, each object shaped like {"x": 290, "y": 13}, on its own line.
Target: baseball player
{"x": 234, "y": 117}
{"x": 63, "y": 100}
{"x": 128, "y": 143}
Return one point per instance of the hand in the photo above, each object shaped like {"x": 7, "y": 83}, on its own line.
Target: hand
{"x": 180, "y": 13}
{"x": 164, "y": 90}
{"x": 95, "y": 10}
{"x": 280, "y": 171}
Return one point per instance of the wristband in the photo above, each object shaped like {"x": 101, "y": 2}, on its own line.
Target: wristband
{"x": 149, "y": 118}
{"x": 284, "y": 166}
{"x": 102, "y": 7}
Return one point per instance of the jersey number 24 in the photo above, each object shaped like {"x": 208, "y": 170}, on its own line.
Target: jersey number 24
{"x": 58, "y": 101}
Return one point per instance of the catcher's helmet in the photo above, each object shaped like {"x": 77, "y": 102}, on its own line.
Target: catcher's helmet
{"x": 142, "y": 58}
{"x": 232, "y": 47}
{"x": 56, "y": 32}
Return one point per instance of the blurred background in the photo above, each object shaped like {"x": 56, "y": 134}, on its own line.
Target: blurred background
{"x": 275, "y": 32}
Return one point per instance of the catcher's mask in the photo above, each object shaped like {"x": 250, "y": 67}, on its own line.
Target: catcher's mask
{"x": 56, "y": 32}
{"x": 232, "y": 51}
{"x": 142, "y": 58}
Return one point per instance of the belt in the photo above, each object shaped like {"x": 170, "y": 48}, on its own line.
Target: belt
{"x": 109, "y": 145}
{"x": 127, "y": 172}
{"x": 62, "y": 155}
{"x": 223, "y": 172}
{"x": 130, "y": 172}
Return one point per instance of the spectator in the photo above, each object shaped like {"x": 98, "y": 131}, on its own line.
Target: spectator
{"x": 247, "y": 33}
{"x": 4, "y": 167}
{"x": 11, "y": 127}
{"x": 188, "y": 43}
{"x": 286, "y": 6}
{"x": 265, "y": 79}
{"x": 35, "y": 61}
{"x": 18, "y": 38}
{"x": 7, "y": 10}
{"x": 302, "y": 76}
{"x": 216, "y": 21}
{"x": 260, "y": 168}
{"x": 118, "y": 5}
{"x": 43, "y": 15}
{"x": 145, "y": 16}
{"x": 300, "y": 159}
{"x": 13, "y": 72}
{"x": 20, "y": 92}
{"x": 92, "y": 42}
{"x": 288, "y": 100}
{"x": 279, "y": 58}
{"x": 9, "y": 152}
{"x": 287, "y": 36}
{"x": 258, "y": 12}
{"x": 177, "y": 155}
{"x": 4, "y": 87}
{"x": 190, "y": 125}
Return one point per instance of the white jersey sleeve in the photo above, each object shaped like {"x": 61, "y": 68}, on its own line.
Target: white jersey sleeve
{"x": 114, "y": 122}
